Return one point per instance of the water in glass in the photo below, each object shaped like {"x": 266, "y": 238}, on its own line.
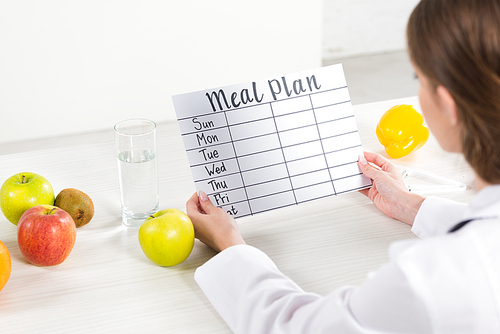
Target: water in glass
{"x": 139, "y": 186}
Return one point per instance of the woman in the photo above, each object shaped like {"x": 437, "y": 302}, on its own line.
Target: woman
{"x": 449, "y": 282}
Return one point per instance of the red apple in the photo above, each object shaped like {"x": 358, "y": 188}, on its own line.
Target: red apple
{"x": 46, "y": 235}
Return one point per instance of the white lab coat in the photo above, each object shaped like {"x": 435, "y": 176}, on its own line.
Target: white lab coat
{"x": 445, "y": 283}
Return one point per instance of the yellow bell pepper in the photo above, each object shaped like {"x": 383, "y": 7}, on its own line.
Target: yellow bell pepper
{"x": 402, "y": 130}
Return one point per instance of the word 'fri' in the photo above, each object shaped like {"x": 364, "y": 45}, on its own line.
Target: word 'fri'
{"x": 221, "y": 199}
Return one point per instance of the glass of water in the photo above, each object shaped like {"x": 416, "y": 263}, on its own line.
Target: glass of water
{"x": 137, "y": 170}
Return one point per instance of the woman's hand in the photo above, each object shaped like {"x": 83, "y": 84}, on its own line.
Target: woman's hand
{"x": 389, "y": 192}
{"x": 212, "y": 225}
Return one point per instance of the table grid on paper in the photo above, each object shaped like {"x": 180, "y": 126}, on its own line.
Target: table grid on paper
{"x": 276, "y": 154}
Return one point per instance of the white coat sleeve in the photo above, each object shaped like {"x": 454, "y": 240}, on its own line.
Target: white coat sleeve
{"x": 436, "y": 216}
{"x": 253, "y": 296}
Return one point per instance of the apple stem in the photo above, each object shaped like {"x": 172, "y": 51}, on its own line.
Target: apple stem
{"x": 23, "y": 179}
{"x": 151, "y": 216}
{"x": 51, "y": 210}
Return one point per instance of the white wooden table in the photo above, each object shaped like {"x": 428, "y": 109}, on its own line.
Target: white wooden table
{"x": 107, "y": 285}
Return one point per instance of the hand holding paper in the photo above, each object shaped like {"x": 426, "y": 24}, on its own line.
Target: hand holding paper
{"x": 389, "y": 192}
{"x": 213, "y": 226}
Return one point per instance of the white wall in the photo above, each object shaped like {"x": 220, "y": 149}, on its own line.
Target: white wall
{"x": 358, "y": 27}
{"x": 74, "y": 66}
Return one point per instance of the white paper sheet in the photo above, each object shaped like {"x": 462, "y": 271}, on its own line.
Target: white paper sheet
{"x": 272, "y": 143}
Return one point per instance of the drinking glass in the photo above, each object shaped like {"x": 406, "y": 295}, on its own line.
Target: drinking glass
{"x": 137, "y": 170}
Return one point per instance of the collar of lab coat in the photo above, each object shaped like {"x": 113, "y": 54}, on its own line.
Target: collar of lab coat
{"x": 485, "y": 204}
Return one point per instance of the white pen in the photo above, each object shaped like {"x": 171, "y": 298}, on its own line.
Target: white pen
{"x": 448, "y": 184}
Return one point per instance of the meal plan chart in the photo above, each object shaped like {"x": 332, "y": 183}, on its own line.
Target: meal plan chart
{"x": 272, "y": 143}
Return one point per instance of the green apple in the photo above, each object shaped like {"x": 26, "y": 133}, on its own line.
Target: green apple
{"x": 23, "y": 191}
{"x": 167, "y": 237}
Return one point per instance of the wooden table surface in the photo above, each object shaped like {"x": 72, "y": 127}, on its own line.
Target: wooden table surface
{"x": 107, "y": 285}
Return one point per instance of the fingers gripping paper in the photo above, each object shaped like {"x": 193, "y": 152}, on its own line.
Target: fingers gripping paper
{"x": 272, "y": 143}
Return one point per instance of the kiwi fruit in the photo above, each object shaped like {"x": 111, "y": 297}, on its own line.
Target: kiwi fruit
{"x": 77, "y": 203}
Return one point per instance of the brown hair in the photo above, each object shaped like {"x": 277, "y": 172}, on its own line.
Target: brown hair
{"x": 456, "y": 44}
